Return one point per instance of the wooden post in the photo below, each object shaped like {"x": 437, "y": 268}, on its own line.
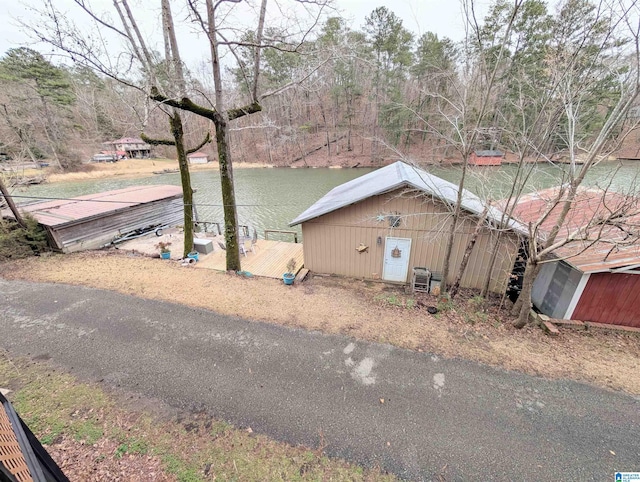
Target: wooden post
{"x": 12, "y": 206}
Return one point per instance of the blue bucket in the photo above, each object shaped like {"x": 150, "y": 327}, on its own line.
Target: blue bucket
{"x": 166, "y": 255}
{"x": 193, "y": 255}
{"x": 288, "y": 278}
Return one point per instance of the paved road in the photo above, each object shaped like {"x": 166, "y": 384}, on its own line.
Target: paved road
{"x": 481, "y": 423}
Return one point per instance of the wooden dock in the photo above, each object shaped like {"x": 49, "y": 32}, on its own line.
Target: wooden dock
{"x": 269, "y": 260}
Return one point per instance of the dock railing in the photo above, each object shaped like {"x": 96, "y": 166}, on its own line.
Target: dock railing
{"x": 279, "y": 231}
{"x": 206, "y": 224}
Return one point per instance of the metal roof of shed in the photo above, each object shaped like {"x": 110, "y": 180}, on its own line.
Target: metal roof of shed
{"x": 589, "y": 257}
{"x": 81, "y": 208}
{"x": 489, "y": 153}
{"x": 392, "y": 177}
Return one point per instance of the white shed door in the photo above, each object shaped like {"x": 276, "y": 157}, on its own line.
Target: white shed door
{"x": 396, "y": 259}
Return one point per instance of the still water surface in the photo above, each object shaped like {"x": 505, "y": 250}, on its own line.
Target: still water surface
{"x": 271, "y": 198}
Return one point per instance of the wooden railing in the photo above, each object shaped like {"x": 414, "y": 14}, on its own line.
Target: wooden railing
{"x": 267, "y": 231}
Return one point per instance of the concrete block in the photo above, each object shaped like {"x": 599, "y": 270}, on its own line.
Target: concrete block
{"x": 203, "y": 246}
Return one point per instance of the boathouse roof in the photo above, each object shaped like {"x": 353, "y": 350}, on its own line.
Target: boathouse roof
{"x": 69, "y": 211}
{"x": 95, "y": 220}
{"x": 395, "y": 176}
{"x": 608, "y": 244}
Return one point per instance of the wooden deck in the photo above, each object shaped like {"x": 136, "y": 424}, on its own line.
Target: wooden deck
{"x": 269, "y": 260}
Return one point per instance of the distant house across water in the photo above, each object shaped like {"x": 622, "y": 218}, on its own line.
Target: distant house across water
{"x": 132, "y": 147}
{"x": 198, "y": 158}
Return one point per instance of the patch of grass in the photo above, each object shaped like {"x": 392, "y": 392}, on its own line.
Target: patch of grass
{"x": 132, "y": 446}
{"x": 121, "y": 450}
{"x": 182, "y": 471}
{"x": 220, "y": 428}
{"x": 396, "y": 300}
{"x": 54, "y": 404}
{"x": 87, "y": 431}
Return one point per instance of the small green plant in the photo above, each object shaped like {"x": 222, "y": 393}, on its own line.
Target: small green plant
{"x": 132, "y": 446}
{"x": 163, "y": 246}
{"x": 445, "y": 303}
{"x": 121, "y": 450}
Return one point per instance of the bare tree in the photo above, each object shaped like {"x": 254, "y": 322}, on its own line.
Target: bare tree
{"x": 575, "y": 90}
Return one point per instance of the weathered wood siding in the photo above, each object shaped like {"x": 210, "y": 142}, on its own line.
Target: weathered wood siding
{"x": 96, "y": 232}
{"x": 330, "y": 241}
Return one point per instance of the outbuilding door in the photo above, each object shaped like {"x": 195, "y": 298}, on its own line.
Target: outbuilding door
{"x": 396, "y": 259}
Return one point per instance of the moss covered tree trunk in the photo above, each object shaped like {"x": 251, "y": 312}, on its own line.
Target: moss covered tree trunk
{"x": 185, "y": 179}
{"x": 228, "y": 195}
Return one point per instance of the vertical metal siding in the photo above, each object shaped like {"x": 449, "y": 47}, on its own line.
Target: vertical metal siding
{"x": 330, "y": 241}
{"x": 610, "y": 298}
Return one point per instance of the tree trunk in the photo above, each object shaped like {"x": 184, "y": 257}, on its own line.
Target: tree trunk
{"x": 221, "y": 122}
{"x": 452, "y": 231}
{"x": 467, "y": 253}
{"x": 350, "y": 117}
{"x": 228, "y": 194}
{"x": 523, "y": 305}
{"x": 185, "y": 178}
{"x": 12, "y": 206}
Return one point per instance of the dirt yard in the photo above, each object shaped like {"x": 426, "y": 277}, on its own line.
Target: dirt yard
{"x": 372, "y": 311}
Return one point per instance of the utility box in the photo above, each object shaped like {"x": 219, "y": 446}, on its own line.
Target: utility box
{"x": 420, "y": 280}
{"x": 203, "y": 246}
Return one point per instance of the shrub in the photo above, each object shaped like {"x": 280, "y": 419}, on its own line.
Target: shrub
{"x": 17, "y": 242}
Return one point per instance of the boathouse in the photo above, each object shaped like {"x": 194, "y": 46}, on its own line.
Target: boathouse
{"x": 486, "y": 158}
{"x": 389, "y": 221}
{"x": 596, "y": 280}
{"x": 94, "y": 220}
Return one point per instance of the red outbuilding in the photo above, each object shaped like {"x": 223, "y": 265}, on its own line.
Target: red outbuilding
{"x": 486, "y": 158}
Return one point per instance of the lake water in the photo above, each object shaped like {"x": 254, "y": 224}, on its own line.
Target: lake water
{"x": 271, "y": 198}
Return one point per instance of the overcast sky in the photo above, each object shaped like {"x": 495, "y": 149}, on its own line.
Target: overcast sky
{"x": 440, "y": 16}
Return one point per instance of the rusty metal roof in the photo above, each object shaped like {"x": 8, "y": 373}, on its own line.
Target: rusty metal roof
{"x": 616, "y": 246}
{"x": 69, "y": 211}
